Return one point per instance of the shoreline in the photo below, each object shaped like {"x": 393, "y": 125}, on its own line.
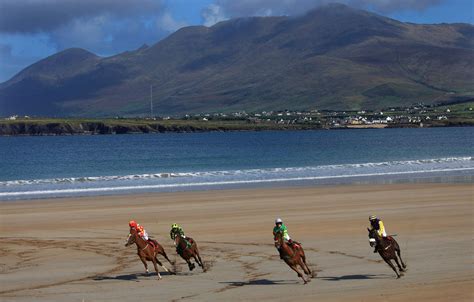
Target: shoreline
{"x": 79, "y": 242}
{"x": 457, "y": 176}
{"x": 61, "y": 127}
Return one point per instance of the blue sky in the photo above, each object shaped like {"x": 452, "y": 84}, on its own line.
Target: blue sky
{"x": 33, "y": 29}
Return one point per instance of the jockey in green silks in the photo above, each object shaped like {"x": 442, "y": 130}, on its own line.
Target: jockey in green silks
{"x": 280, "y": 227}
{"x": 176, "y": 230}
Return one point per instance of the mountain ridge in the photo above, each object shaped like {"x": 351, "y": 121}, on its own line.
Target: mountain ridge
{"x": 333, "y": 57}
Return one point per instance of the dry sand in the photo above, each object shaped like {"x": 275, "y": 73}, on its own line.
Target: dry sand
{"x": 73, "y": 249}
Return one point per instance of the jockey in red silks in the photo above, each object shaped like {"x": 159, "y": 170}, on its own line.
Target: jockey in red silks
{"x": 141, "y": 230}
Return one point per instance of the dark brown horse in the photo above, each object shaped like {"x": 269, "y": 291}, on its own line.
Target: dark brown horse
{"x": 148, "y": 251}
{"x": 293, "y": 255}
{"x": 388, "y": 250}
{"x": 187, "y": 248}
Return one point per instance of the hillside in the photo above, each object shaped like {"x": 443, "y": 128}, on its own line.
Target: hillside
{"x": 334, "y": 57}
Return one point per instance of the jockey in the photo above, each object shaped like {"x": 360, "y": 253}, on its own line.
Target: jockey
{"x": 377, "y": 224}
{"x": 280, "y": 227}
{"x": 176, "y": 230}
{"x": 141, "y": 230}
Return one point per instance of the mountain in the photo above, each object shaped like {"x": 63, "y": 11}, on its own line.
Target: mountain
{"x": 333, "y": 57}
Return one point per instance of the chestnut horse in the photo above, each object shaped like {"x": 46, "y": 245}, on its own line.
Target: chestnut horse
{"x": 148, "y": 251}
{"x": 187, "y": 250}
{"x": 293, "y": 256}
{"x": 388, "y": 250}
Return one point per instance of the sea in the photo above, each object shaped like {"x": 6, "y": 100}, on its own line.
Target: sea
{"x": 37, "y": 167}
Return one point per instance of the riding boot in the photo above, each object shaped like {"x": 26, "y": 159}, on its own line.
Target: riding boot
{"x": 375, "y": 250}
{"x": 279, "y": 252}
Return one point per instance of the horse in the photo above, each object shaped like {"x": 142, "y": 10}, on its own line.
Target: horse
{"x": 388, "y": 249}
{"x": 293, "y": 256}
{"x": 187, "y": 250}
{"x": 148, "y": 251}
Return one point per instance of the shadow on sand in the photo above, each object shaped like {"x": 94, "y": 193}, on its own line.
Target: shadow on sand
{"x": 259, "y": 282}
{"x": 354, "y": 277}
{"x": 130, "y": 277}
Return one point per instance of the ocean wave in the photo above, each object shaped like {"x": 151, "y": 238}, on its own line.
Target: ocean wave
{"x": 58, "y": 192}
{"x": 246, "y": 172}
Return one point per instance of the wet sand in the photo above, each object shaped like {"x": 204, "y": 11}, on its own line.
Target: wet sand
{"x": 73, "y": 249}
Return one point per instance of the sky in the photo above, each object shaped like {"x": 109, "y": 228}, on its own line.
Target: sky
{"x": 31, "y": 30}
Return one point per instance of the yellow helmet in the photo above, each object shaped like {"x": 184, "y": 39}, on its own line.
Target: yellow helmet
{"x": 372, "y": 217}
{"x": 174, "y": 226}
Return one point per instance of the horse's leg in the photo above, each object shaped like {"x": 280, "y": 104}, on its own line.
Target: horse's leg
{"x": 400, "y": 269}
{"x": 306, "y": 269}
{"x": 156, "y": 268}
{"x": 392, "y": 266}
{"x": 197, "y": 258}
{"x": 401, "y": 260}
{"x": 161, "y": 264}
{"x": 293, "y": 267}
{"x": 190, "y": 265}
{"x": 144, "y": 263}
{"x": 163, "y": 253}
{"x": 160, "y": 250}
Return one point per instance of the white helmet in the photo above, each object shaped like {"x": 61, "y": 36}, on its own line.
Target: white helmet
{"x": 278, "y": 220}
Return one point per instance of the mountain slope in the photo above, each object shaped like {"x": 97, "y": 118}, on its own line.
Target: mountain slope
{"x": 334, "y": 57}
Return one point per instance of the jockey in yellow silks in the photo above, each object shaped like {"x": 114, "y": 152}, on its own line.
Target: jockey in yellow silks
{"x": 377, "y": 224}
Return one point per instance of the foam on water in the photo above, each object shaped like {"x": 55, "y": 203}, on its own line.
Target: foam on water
{"x": 216, "y": 183}
{"x": 97, "y": 185}
{"x": 436, "y": 163}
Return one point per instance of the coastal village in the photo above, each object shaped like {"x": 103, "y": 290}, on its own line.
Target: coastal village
{"x": 415, "y": 115}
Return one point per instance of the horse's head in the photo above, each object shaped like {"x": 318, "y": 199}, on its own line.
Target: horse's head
{"x": 177, "y": 239}
{"x": 278, "y": 238}
{"x": 131, "y": 237}
{"x": 373, "y": 237}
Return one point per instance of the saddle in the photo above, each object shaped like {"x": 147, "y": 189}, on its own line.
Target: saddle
{"x": 153, "y": 243}
{"x": 189, "y": 243}
{"x": 294, "y": 244}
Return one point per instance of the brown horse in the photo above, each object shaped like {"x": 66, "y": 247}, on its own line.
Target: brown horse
{"x": 293, "y": 255}
{"x": 388, "y": 250}
{"x": 187, "y": 250}
{"x": 148, "y": 251}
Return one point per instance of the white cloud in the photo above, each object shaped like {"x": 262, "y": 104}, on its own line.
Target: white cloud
{"x": 168, "y": 23}
{"x": 225, "y": 9}
{"x": 213, "y": 14}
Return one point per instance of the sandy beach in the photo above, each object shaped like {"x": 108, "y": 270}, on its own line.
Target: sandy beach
{"x": 73, "y": 249}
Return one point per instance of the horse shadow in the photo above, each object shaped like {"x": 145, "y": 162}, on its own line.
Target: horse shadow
{"x": 130, "y": 277}
{"x": 354, "y": 277}
{"x": 259, "y": 282}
